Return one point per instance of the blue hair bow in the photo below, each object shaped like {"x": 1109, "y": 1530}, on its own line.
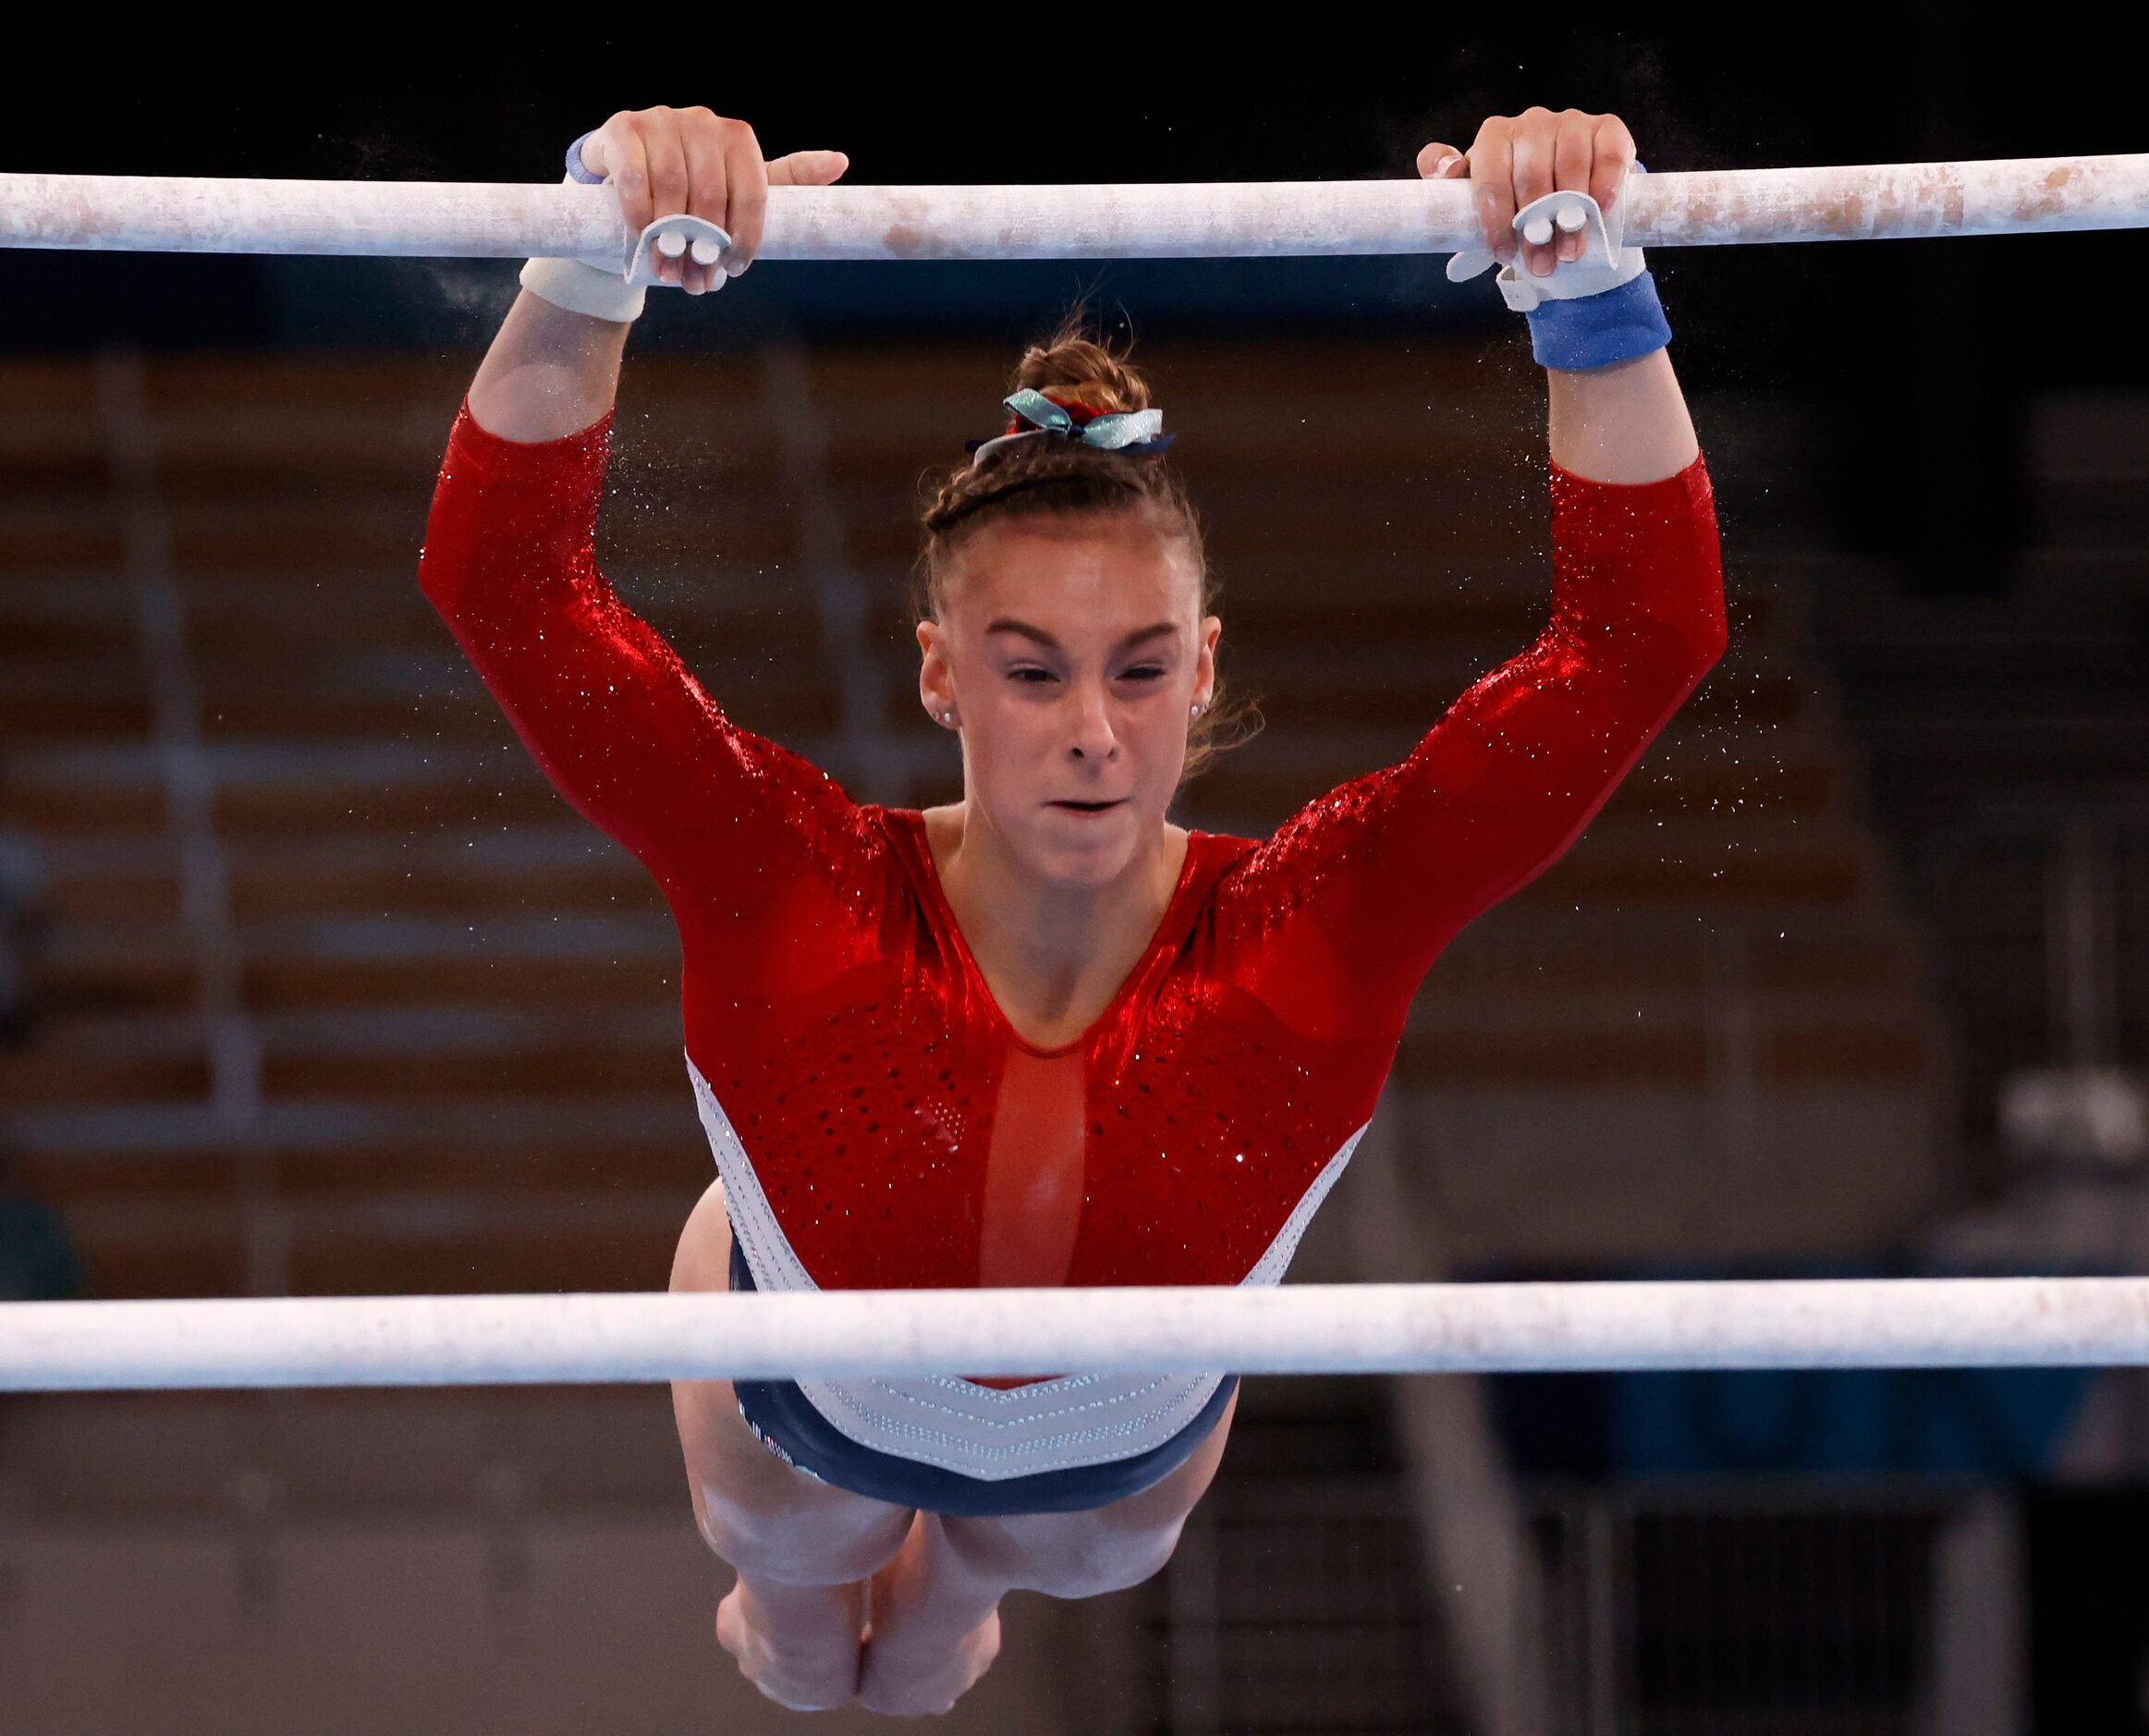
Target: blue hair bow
{"x": 1137, "y": 433}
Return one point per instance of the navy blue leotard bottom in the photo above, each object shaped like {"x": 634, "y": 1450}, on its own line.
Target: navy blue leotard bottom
{"x": 790, "y": 1427}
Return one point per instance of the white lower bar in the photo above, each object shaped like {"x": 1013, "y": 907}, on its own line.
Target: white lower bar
{"x": 1297, "y": 1328}
{"x": 1224, "y": 219}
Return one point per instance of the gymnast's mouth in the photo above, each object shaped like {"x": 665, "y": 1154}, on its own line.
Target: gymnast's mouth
{"x": 1086, "y": 807}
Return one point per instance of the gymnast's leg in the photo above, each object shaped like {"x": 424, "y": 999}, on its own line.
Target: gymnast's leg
{"x": 802, "y": 1548}
{"x": 935, "y": 1608}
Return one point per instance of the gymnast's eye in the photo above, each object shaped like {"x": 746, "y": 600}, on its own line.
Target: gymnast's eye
{"x": 1025, "y": 671}
{"x": 1145, "y": 672}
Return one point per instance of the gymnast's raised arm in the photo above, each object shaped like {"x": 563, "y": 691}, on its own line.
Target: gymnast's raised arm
{"x": 608, "y": 711}
{"x": 1624, "y": 422}
{"x": 1507, "y": 778}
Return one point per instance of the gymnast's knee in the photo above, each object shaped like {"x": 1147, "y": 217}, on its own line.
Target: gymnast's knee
{"x": 1069, "y": 1554}
{"x": 832, "y": 1540}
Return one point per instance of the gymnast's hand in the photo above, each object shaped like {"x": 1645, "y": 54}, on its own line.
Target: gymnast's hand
{"x": 667, "y": 160}
{"x": 1521, "y": 157}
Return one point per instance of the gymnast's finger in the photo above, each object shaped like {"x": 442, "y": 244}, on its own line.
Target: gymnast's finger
{"x": 667, "y": 178}
{"x": 625, "y": 166}
{"x": 1536, "y": 133}
{"x": 1572, "y": 164}
{"x": 1612, "y": 162}
{"x": 749, "y": 176}
{"x": 1492, "y": 175}
{"x": 808, "y": 169}
{"x": 701, "y": 137}
{"x": 1435, "y": 160}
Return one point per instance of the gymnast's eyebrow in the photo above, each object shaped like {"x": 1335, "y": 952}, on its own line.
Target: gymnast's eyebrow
{"x": 1139, "y": 636}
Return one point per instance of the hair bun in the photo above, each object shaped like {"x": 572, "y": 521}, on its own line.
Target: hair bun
{"x": 1059, "y": 477}
{"x": 1073, "y": 364}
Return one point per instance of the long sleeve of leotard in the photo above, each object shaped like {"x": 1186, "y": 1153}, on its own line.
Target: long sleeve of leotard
{"x": 604, "y": 705}
{"x": 1354, "y": 897}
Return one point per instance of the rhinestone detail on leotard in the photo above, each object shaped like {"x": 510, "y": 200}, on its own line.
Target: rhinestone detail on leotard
{"x": 877, "y": 1122}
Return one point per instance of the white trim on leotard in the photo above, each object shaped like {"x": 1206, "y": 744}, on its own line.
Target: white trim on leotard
{"x": 955, "y": 1424}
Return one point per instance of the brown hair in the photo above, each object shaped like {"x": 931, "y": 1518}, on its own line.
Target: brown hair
{"x": 1064, "y": 476}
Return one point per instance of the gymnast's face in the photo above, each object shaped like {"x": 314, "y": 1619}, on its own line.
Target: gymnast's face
{"x": 1071, "y": 650}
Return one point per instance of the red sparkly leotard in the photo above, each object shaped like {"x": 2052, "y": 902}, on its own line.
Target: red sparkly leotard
{"x": 874, "y": 1118}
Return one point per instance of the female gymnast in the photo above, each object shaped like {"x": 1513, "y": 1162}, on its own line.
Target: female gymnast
{"x": 1040, "y": 1035}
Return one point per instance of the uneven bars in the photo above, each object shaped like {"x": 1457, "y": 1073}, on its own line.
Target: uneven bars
{"x": 1225, "y": 219}
{"x": 1299, "y": 1328}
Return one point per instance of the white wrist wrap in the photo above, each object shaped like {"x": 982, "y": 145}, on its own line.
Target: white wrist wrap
{"x": 583, "y": 288}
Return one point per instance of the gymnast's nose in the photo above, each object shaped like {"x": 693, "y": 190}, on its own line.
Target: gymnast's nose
{"x": 1090, "y": 735}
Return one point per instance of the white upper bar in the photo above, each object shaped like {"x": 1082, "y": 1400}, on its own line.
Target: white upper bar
{"x": 1225, "y": 219}
{"x": 1297, "y": 1328}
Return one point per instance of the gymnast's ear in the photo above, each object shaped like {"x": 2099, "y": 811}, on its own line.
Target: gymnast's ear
{"x": 808, "y": 169}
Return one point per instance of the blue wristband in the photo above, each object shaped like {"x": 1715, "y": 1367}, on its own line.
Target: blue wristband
{"x": 1595, "y": 331}
{"x": 575, "y": 167}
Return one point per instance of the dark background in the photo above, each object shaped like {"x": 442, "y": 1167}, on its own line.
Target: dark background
{"x": 1921, "y": 353}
